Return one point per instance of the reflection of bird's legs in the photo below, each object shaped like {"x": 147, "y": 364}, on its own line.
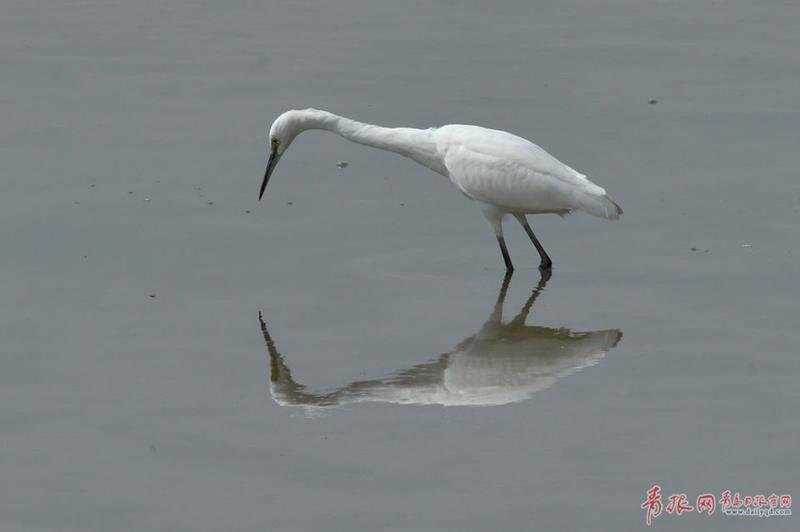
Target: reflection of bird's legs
{"x": 520, "y": 318}
{"x": 497, "y": 313}
{"x": 501, "y": 296}
{"x": 546, "y": 263}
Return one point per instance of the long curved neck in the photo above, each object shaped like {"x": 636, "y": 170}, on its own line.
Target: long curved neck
{"x": 416, "y": 144}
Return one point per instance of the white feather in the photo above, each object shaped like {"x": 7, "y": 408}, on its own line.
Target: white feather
{"x": 503, "y": 173}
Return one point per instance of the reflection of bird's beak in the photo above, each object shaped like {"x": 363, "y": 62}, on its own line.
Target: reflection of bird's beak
{"x": 273, "y": 161}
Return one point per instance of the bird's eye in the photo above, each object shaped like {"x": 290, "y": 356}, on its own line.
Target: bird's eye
{"x": 275, "y": 143}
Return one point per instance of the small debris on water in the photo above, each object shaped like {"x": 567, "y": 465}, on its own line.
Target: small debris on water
{"x": 693, "y": 249}
{"x": 706, "y": 251}
{"x": 747, "y": 245}
{"x": 247, "y": 212}
{"x": 652, "y": 102}
{"x": 402, "y": 204}
{"x": 130, "y": 192}
{"x": 151, "y": 296}
{"x": 153, "y": 449}
{"x": 289, "y": 203}
{"x": 92, "y": 185}
{"x": 342, "y": 164}
{"x": 147, "y": 199}
{"x": 211, "y": 203}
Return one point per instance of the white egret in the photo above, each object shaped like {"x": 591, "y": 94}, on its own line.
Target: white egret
{"x": 501, "y": 172}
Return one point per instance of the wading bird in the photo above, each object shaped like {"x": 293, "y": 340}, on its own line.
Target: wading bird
{"x": 502, "y": 173}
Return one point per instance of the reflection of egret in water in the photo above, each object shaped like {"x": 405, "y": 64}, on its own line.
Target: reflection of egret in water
{"x": 502, "y": 363}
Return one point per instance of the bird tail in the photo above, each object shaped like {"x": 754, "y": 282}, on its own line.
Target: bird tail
{"x": 599, "y": 205}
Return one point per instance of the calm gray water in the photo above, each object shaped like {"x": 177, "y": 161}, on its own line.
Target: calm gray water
{"x": 135, "y": 381}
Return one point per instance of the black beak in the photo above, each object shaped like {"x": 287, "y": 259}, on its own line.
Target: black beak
{"x": 273, "y": 160}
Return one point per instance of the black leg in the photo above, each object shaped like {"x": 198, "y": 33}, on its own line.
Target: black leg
{"x": 504, "y": 251}
{"x": 546, "y": 263}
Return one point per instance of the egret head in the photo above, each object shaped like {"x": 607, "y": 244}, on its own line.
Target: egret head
{"x": 283, "y": 131}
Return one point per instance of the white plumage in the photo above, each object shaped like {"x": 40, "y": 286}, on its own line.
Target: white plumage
{"x": 515, "y": 175}
{"x": 501, "y": 172}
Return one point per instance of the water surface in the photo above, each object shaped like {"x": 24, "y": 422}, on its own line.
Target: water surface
{"x": 134, "y": 375}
